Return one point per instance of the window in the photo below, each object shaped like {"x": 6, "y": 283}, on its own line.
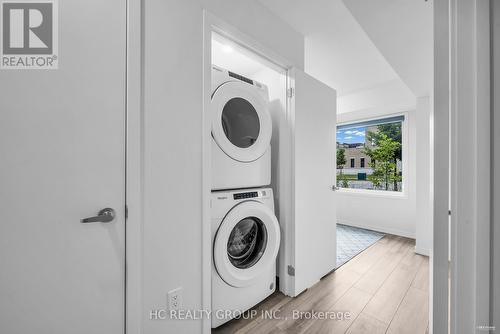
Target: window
{"x": 378, "y": 144}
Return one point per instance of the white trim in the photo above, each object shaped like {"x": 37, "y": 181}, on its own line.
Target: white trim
{"x": 423, "y": 251}
{"x": 370, "y": 118}
{"x": 470, "y": 167}
{"x": 495, "y": 163}
{"x": 212, "y": 24}
{"x": 392, "y": 231}
{"x": 133, "y": 226}
{"x": 482, "y": 165}
{"x": 287, "y": 190}
{"x": 438, "y": 288}
{"x": 373, "y": 193}
{"x": 206, "y": 234}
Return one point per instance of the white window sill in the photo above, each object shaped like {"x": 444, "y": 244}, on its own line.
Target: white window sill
{"x": 373, "y": 193}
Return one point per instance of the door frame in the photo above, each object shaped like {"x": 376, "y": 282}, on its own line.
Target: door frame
{"x": 133, "y": 170}
{"x": 461, "y": 102}
{"x": 134, "y": 161}
{"x": 439, "y": 268}
{"x": 213, "y": 24}
{"x": 495, "y": 162}
{"x": 470, "y": 200}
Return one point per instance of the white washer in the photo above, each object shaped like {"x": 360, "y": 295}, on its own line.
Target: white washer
{"x": 241, "y": 132}
{"x": 245, "y": 243}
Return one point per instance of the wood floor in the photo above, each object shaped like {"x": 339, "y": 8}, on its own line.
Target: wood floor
{"x": 385, "y": 289}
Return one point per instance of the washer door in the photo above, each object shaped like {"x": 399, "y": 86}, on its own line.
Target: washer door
{"x": 241, "y": 124}
{"x": 246, "y": 244}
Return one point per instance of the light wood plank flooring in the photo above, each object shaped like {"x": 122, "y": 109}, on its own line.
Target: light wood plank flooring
{"x": 385, "y": 289}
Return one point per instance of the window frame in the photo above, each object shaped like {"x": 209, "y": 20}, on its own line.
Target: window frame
{"x": 403, "y": 194}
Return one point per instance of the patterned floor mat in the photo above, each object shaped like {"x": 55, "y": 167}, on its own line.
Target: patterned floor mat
{"x": 353, "y": 240}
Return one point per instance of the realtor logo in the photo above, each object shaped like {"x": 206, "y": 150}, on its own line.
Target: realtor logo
{"x": 29, "y": 34}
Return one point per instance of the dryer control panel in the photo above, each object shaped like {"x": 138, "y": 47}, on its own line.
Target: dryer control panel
{"x": 240, "y": 77}
{"x": 250, "y": 194}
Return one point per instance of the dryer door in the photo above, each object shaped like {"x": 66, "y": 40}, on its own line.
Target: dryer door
{"x": 241, "y": 123}
{"x": 246, "y": 244}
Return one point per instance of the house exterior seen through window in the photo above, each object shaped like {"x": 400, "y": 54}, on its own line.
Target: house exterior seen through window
{"x": 369, "y": 155}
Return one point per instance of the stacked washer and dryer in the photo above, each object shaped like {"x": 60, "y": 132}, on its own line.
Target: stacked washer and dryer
{"x": 245, "y": 231}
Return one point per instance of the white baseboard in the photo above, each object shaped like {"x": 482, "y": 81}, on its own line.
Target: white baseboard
{"x": 423, "y": 251}
{"x": 400, "y": 233}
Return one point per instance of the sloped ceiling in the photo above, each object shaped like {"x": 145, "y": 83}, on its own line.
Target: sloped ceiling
{"x": 343, "y": 55}
{"x": 355, "y": 45}
{"x": 402, "y": 32}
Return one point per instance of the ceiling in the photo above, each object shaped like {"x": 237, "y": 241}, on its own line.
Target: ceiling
{"x": 226, "y": 55}
{"x": 364, "y": 44}
{"x": 402, "y": 32}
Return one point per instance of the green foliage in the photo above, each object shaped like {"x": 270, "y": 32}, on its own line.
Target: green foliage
{"x": 391, "y": 131}
{"x": 383, "y": 160}
{"x": 341, "y": 160}
{"x": 342, "y": 181}
{"x": 345, "y": 183}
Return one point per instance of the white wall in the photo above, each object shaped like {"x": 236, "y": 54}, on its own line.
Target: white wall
{"x": 389, "y": 97}
{"x": 390, "y": 213}
{"x": 276, "y": 83}
{"x": 410, "y": 215}
{"x": 424, "y": 199}
{"x": 172, "y": 141}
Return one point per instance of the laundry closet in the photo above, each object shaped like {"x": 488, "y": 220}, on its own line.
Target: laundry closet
{"x": 246, "y": 236}
{"x": 272, "y": 136}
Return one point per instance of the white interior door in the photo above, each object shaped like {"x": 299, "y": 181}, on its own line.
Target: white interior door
{"x": 62, "y": 145}
{"x": 314, "y": 233}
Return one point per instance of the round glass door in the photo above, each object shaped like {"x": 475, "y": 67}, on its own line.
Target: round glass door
{"x": 240, "y": 122}
{"x": 247, "y": 242}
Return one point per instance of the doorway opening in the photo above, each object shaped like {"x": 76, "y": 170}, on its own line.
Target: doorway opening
{"x": 243, "y": 125}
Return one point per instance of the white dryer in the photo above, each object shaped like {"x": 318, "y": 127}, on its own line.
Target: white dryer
{"x": 241, "y": 132}
{"x": 245, "y": 243}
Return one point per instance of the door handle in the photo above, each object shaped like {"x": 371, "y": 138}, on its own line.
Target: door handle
{"x": 104, "y": 216}
{"x": 335, "y": 188}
